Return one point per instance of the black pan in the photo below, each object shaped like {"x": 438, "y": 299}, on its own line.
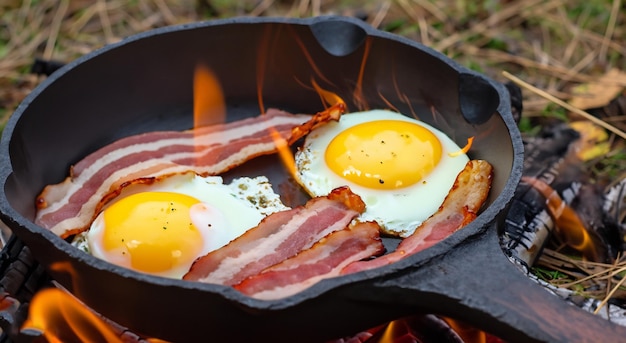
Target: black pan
{"x": 144, "y": 83}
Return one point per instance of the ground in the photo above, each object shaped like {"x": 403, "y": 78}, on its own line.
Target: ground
{"x": 553, "y": 45}
{"x": 558, "y": 51}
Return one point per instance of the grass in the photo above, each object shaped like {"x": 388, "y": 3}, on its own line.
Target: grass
{"x": 554, "y": 45}
{"x": 550, "y": 44}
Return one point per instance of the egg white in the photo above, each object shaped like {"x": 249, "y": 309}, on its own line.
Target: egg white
{"x": 231, "y": 208}
{"x": 398, "y": 211}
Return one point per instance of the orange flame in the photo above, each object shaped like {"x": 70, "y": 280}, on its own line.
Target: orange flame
{"x": 62, "y": 318}
{"x": 209, "y": 106}
{"x": 569, "y": 227}
{"x": 333, "y": 104}
{"x": 394, "y": 330}
{"x": 328, "y": 98}
{"x": 467, "y": 333}
{"x": 284, "y": 152}
{"x": 403, "y": 330}
{"x": 358, "y": 96}
{"x": 464, "y": 149}
{"x": 66, "y": 267}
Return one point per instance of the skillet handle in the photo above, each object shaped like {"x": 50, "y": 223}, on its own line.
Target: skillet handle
{"x": 477, "y": 284}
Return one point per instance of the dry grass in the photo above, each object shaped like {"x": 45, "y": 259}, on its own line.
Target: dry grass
{"x": 601, "y": 281}
{"x": 550, "y": 44}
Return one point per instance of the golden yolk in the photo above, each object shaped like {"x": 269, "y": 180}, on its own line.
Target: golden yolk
{"x": 154, "y": 229}
{"x": 384, "y": 154}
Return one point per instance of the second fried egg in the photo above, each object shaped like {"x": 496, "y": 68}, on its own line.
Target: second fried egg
{"x": 401, "y": 167}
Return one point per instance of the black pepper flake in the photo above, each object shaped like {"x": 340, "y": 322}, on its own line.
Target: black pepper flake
{"x": 209, "y": 225}
{"x": 382, "y": 142}
{"x": 165, "y": 228}
{"x": 381, "y": 181}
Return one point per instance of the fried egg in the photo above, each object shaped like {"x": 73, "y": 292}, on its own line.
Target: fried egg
{"x": 161, "y": 228}
{"x": 402, "y": 168}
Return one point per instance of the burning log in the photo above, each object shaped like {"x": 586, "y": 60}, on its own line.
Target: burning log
{"x": 569, "y": 227}
{"x": 551, "y": 160}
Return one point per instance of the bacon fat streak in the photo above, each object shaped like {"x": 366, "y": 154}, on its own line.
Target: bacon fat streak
{"x": 70, "y": 206}
{"x": 278, "y": 237}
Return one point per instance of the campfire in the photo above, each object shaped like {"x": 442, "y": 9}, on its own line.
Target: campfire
{"x": 380, "y": 305}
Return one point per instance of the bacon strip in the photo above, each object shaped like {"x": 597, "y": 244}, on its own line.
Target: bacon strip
{"x": 460, "y": 207}
{"x": 70, "y": 206}
{"x": 279, "y": 236}
{"x": 323, "y": 260}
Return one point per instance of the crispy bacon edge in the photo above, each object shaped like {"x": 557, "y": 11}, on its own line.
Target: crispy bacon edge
{"x": 69, "y": 207}
{"x": 459, "y": 208}
{"x": 278, "y": 237}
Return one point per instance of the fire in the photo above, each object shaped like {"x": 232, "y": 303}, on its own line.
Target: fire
{"x": 358, "y": 96}
{"x": 62, "y": 318}
{"x": 464, "y": 149}
{"x": 209, "y": 106}
{"x": 393, "y": 331}
{"x": 328, "y": 98}
{"x": 284, "y": 152}
{"x": 334, "y": 107}
{"x": 467, "y": 333}
{"x": 282, "y": 145}
{"x": 568, "y": 226}
{"x": 414, "y": 329}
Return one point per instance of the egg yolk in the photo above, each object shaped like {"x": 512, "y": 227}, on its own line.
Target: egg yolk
{"x": 384, "y": 154}
{"x": 154, "y": 229}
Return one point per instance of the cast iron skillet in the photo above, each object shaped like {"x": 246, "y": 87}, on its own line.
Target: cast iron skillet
{"x": 144, "y": 83}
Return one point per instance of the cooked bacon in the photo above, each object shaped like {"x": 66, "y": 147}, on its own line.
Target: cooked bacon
{"x": 278, "y": 237}
{"x": 460, "y": 207}
{"x": 323, "y": 260}
{"x": 70, "y": 206}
